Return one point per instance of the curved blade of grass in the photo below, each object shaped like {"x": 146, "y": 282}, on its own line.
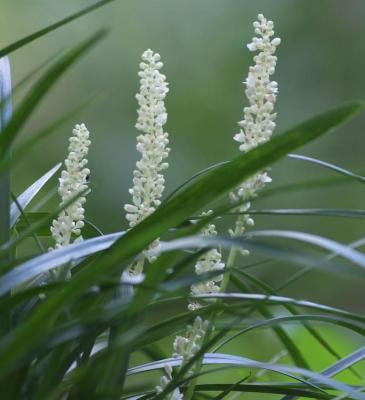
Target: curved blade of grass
{"x": 273, "y": 250}
{"x": 27, "y": 222}
{"x": 227, "y": 359}
{"x": 200, "y": 353}
{"x": 342, "y": 250}
{"x": 281, "y": 300}
{"x": 307, "y": 184}
{"x": 194, "y": 197}
{"x": 48, "y": 261}
{"x": 355, "y": 327}
{"x": 322, "y": 212}
{"x": 28, "y": 39}
{"x": 46, "y": 220}
{"x": 345, "y": 363}
{"x": 208, "y": 360}
{"x": 127, "y": 337}
{"x": 269, "y": 290}
{"x": 330, "y": 166}
{"x": 42, "y": 86}
{"x": 192, "y": 178}
{"x": 291, "y": 347}
{"x": 27, "y": 196}
{"x": 342, "y": 365}
{"x": 264, "y": 388}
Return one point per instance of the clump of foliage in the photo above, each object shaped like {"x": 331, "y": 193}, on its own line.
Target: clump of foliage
{"x": 79, "y": 320}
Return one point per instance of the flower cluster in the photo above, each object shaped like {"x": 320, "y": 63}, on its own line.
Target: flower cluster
{"x": 259, "y": 117}
{"x": 185, "y": 347}
{"x": 164, "y": 381}
{"x": 148, "y": 182}
{"x": 73, "y": 181}
{"x": 152, "y": 144}
{"x": 210, "y": 261}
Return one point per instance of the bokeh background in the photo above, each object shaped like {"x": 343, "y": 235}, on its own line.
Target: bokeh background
{"x": 202, "y": 42}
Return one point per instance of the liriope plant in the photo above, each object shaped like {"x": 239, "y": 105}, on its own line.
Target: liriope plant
{"x": 256, "y": 128}
{"x": 78, "y": 336}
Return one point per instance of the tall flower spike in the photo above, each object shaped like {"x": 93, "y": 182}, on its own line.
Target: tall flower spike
{"x": 148, "y": 181}
{"x": 210, "y": 261}
{"x": 259, "y": 117}
{"x": 73, "y": 181}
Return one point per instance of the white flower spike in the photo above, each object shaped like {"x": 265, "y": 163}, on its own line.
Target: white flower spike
{"x": 148, "y": 181}
{"x": 185, "y": 347}
{"x": 73, "y": 181}
{"x": 259, "y": 117}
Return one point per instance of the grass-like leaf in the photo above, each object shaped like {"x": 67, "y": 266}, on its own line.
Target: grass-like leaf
{"x": 198, "y": 194}
{"x": 342, "y": 365}
{"x": 330, "y": 166}
{"x": 36, "y": 35}
{"x": 227, "y": 359}
{"x": 46, "y": 262}
{"x": 320, "y": 212}
{"x": 39, "y": 90}
{"x": 28, "y": 195}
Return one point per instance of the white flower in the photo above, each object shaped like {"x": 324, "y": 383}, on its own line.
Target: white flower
{"x": 185, "y": 347}
{"x": 259, "y": 117}
{"x": 209, "y": 261}
{"x": 73, "y": 180}
{"x": 188, "y": 346}
{"x": 148, "y": 181}
{"x": 164, "y": 381}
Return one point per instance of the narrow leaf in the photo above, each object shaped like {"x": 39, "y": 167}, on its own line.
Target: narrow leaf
{"x": 175, "y": 211}
{"x": 228, "y": 359}
{"x": 329, "y": 166}
{"x": 39, "y": 90}
{"x": 28, "y": 39}
{"x": 28, "y": 195}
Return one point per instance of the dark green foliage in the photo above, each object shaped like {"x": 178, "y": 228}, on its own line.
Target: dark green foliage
{"x": 88, "y": 336}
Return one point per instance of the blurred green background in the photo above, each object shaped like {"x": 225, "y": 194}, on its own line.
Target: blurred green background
{"x": 202, "y": 43}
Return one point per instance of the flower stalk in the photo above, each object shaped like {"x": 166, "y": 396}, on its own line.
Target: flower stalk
{"x": 152, "y": 144}
{"x": 74, "y": 180}
{"x": 258, "y": 123}
{"x": 256, "y": 128}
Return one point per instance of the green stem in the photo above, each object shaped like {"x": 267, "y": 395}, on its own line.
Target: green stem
{"x": 230, "y": 263}
{"x": 225, "y": 282}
